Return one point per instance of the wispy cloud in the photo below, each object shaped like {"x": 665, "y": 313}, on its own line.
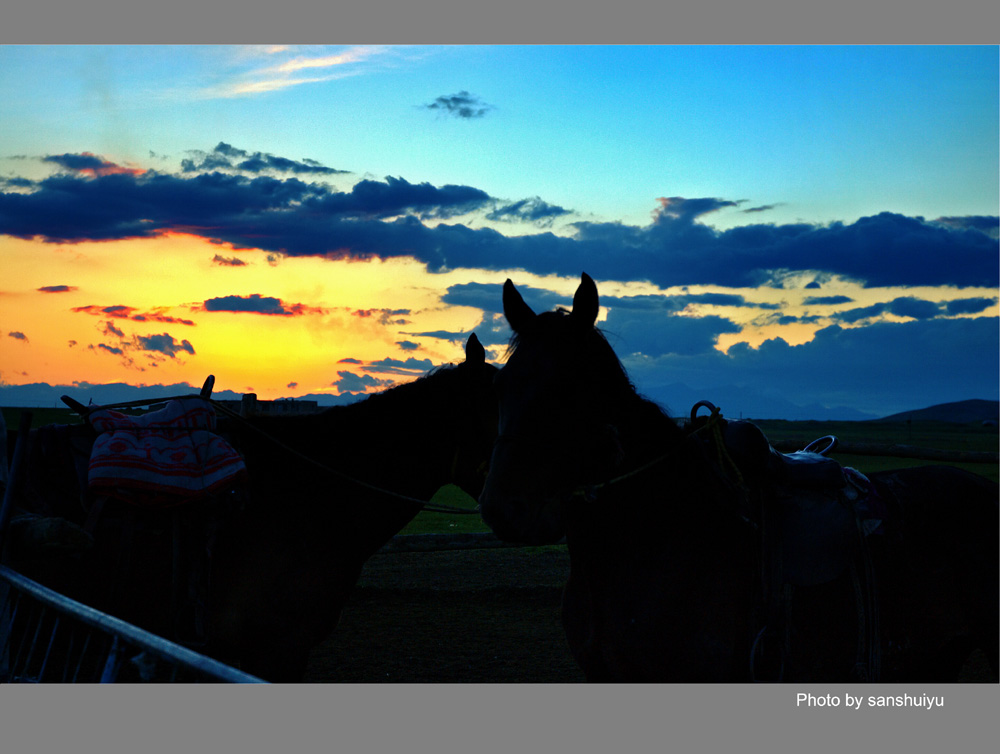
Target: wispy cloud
{"x": 276, "y": 73}
{"x": 301, "y": 63}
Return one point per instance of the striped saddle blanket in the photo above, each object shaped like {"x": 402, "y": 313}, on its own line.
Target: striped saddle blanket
{"x": 165, "y": 457}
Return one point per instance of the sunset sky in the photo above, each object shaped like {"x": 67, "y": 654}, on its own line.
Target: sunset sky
{"x": 790, "y": 232}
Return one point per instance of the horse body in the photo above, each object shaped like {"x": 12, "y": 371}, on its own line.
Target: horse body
{"x": 323, "y": 493}
{"x": 668, "y": 575}
{"x": 289, "y": 565}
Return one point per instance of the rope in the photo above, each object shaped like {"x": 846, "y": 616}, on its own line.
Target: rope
{"x": 424, "y": 504}
{"x": 589, "y": 491}
{"x": 206, "y": 392}
{"x": 713, "y": 423}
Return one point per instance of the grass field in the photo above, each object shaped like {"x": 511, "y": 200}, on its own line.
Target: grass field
{"x": 923, "y": 434}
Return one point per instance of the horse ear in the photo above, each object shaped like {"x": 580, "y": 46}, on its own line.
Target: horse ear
{"x": 519, "y": 315}
{"x": 585, "y": 304}
{"x": 474, "y": 352}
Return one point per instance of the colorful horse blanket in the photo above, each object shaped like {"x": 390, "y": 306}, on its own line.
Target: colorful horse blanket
{"x": 165, "y": 457}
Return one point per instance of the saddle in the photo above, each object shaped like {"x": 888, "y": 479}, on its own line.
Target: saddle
{"x": 814, "y": 516}
{"x": 813, "y": 505}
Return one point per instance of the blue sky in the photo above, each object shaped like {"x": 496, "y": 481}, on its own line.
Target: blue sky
{"x": 790, "y": 231}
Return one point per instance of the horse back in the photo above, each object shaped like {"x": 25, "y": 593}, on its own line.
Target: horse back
{"x": 942, "y": 549}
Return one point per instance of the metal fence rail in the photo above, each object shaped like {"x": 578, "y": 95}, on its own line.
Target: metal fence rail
{"x": 46, "y": 637}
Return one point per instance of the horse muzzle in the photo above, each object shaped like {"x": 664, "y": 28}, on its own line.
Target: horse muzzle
{"x": 516, "y": 518}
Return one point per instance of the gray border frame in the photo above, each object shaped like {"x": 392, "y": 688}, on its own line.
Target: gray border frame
{"x": 442, "y": 718}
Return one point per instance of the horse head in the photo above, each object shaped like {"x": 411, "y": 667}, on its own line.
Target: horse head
{"x": 558, "y": 396}
{"x": 474, "y": 402}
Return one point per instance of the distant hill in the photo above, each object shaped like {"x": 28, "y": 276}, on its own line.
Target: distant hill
{"x": 962, "y": 412}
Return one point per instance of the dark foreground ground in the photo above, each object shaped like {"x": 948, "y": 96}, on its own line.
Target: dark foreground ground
{"x": 463, "y": 617}
{"x": 452, "y": 617}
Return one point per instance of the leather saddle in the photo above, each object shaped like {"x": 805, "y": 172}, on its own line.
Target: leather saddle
{"x": 812, "y": 505}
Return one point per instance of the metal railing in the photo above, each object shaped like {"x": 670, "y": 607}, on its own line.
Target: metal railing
{"x": 46, "y": 637}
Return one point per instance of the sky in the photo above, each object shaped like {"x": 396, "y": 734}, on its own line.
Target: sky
{"x": 788, "y": 231}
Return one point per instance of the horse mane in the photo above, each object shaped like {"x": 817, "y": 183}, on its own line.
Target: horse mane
{"x": 439, "y": 381}
{"x": 404, "y": 402}
{"x": 559, "y": 326}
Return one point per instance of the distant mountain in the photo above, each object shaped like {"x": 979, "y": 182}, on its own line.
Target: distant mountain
{"x": 961, "y": 412}
{"x": 747, "y": 403}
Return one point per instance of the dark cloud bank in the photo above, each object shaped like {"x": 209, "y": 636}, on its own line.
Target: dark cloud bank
{"x": 287, "y": 215}
{"x": 260, "y": 201}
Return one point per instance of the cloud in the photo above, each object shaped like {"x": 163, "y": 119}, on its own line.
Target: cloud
{"x": 533, "y": 210}
{"x": 110, "y": 329}
{"x": 120, "y": 311}
{"x": 408, "y": 345}
{"x": 227, "y": 157}
{"x": 462, "y": 105}
{"x": 489, "y": 297}
{"x": 827, "y": 300}
{"x": 411, "y": 367}
{"x": 17, "y": 183}
{"x": 988, "y": 225}
{"x": 163, "y": 318}
{"x": 384, "y": 316}
{"x": 880, "y": 369}
{"x": 654, "y": 332}
{"x": 89, "y": 164}
{"x": 674, "y": 209}
{"x": 914, "y": 308}
{"x": 680, "y": 302}
{"x": 349, "y": 382}
{"x": 257, "y": 304}
{"x": 164, "y": 344}
{"x": 397, "y": 196}
{"x": 228, "y": 261}
{"x": 57, "y": 289}
{"x": 387, "y": 219}
{"x": 969, "y": 305}
{"x": 17, "y": 335}
{"x": 277, "y": 215}
{"x": 277, "y": 73}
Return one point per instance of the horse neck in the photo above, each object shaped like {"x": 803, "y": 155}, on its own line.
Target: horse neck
{"x": 645, "y": 430}
{"x": 402, "y": 442}
{"x": 413, "y": 444}
{"x": 661, "y": 484}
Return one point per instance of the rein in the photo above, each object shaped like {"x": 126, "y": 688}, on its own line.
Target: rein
{"x": 424, "y": 504}
{"x": 205, "y": 395}
{"x": 590, "y": 492}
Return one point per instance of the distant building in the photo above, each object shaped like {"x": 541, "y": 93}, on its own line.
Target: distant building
{"x": 250, "y": 406}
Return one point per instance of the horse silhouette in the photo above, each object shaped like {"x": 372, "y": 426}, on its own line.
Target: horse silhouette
{"x": 270, "y": 564}
{"x": 687, "y": 567}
